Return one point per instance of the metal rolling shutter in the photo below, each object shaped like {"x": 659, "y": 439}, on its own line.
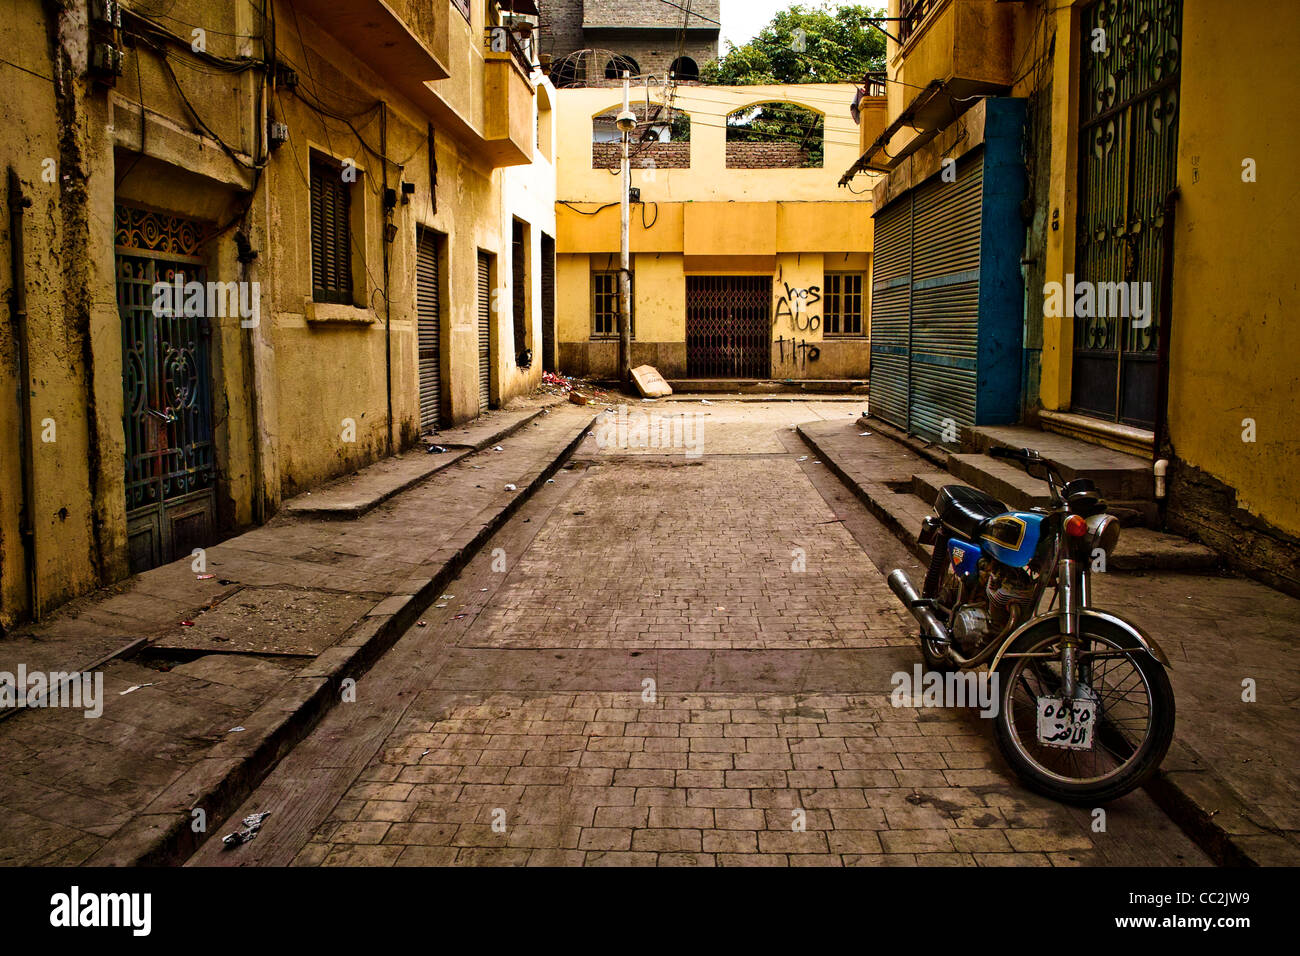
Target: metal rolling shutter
{"x": 890, "y": 327}
{"x": 428, "y": 316}
{"x": 945, "y": 302}
{"x": 484, "y": 331}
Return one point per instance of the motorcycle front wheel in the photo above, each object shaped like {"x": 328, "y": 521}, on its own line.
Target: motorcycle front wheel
{"x": 1134, "y": 715}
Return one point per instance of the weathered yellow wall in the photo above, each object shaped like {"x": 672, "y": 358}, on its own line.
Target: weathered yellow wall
{"x": 281, "y": 390}
{"x": 1234, "y": 339}
{"x": 660, "y": 292}
{"x": 73, "y": 327}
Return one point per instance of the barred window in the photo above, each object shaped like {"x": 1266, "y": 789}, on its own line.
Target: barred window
{"x": 604, "y": 312}
{"x": 331, "y": 239}
{"x": 842, "y": 298}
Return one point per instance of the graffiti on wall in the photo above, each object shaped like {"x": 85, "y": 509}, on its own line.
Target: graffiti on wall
{"x": 797, "y": 352}
{"x": 794, "y": 305}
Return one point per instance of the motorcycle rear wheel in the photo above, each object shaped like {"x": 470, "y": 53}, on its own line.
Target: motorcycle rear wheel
{"x": 1135, "y": 710}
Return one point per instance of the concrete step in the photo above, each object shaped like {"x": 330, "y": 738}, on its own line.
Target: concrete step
{"x": 1141, "y": 549}
{"x": 1130, "y": 513}
{"x": 755, "y": 386}
{"x": 900, "y": 488}
{"x": 1003, "y": 480}
{"x": 926, "y": 485}
{"x": 1119, "y": 477}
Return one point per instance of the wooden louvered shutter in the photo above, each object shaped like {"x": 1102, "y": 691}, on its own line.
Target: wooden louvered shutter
{"x": 331, "y": 241}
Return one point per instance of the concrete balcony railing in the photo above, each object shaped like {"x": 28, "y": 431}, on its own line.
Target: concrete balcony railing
{"x": 404, "y": 41}
{"x": 966, "y": 45}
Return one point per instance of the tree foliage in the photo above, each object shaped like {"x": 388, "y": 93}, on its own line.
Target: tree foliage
{"x": 834, "y": 47}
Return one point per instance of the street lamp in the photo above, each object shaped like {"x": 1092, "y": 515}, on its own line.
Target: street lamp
{"x": 626, "y": 122}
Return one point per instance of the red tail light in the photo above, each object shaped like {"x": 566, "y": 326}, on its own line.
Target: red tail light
{"x": 1075, "y": 526}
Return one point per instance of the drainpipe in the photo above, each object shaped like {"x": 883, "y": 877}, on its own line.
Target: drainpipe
{"x": 18, "y": 307}
{"x": 1160, "y": 442}
{"x": 388, "y": 312}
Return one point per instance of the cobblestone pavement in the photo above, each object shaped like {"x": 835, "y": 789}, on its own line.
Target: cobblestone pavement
{"x": 671, "y": 659}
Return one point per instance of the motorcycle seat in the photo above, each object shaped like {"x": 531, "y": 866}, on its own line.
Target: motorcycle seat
{"x": 964, "y": 510}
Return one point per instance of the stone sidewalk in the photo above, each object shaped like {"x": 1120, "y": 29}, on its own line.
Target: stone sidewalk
{"x": 1232, "y": 776}
{"x": 208, "y": 680}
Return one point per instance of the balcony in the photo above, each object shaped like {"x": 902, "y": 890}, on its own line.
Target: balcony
{"x": 508, "y": 133}
{"x": 955, "y": 48}
{"x": 404, "y": 41}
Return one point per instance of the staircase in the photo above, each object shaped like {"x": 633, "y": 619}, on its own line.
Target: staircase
{"x": 1126, "y": 481}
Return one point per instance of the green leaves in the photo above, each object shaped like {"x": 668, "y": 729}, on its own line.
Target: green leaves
{"x": 805, "y": 45}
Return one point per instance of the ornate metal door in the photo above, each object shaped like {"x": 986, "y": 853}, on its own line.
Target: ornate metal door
{"x": 167, "y": 386}
{"x": 1128, "y": 143}
{"x": 728, "y": 326}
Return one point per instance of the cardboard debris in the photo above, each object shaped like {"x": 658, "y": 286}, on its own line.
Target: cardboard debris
{"x": 649, "y": 382}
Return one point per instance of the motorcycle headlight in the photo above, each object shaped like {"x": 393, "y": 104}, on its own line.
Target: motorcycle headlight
{"x": 1103, "y": 532}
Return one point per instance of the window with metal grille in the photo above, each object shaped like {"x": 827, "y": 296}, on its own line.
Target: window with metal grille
{"x": 842, "y": 303}
{"x": 604, "y": 312}
{"x": 331, "y": 238}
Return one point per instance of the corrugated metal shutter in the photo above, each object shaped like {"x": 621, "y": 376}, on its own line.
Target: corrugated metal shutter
{"x": 484, "y": 331}
{"x": 429, "y": 320}
{"x": 945, "y": 302}
{"x": 891, "y": 284}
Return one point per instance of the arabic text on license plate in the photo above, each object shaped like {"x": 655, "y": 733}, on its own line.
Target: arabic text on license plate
{"x": 1070, "y": 728}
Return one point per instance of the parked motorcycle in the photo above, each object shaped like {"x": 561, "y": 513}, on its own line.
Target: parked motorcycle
{"x": 1085, "y": 709}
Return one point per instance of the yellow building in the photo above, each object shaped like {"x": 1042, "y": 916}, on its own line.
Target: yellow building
{"x": 241, "y": 273}
{"x": 1155, "y": 269}
{"x": 748, "y": 262}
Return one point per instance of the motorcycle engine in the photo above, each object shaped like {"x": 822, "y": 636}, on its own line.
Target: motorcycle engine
{"x": 1010, "y": 593}
{"x": 1001, "y": 600}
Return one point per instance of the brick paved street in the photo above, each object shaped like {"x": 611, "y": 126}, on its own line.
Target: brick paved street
{"x": 671, "y": 659}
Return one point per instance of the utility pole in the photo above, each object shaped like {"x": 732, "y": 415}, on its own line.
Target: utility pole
{"x": 626, "y": 122}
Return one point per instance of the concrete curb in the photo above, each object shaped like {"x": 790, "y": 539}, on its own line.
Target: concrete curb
{"x": 163, "y": 833}
{"x": 439, "y": 463}
{"x": 905, "y": 533}
{"x": 1202, "y": 806}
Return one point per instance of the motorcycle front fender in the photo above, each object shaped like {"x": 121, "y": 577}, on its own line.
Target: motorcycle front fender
{"x": 1104, "y": 623}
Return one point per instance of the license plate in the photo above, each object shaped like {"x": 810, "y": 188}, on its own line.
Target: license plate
{"x": 1071, "y": 727}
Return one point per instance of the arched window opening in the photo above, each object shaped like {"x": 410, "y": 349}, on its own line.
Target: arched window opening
{"x": 775, "y": 136}
{"x": 684, "y": 68}
{"x": 661, "y": 139}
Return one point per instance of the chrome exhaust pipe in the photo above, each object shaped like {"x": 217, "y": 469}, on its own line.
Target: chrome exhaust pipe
{"x": 903, "y": 589}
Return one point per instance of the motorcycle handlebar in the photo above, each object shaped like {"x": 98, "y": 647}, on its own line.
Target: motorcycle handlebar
{"x": 1026, "y": 457}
